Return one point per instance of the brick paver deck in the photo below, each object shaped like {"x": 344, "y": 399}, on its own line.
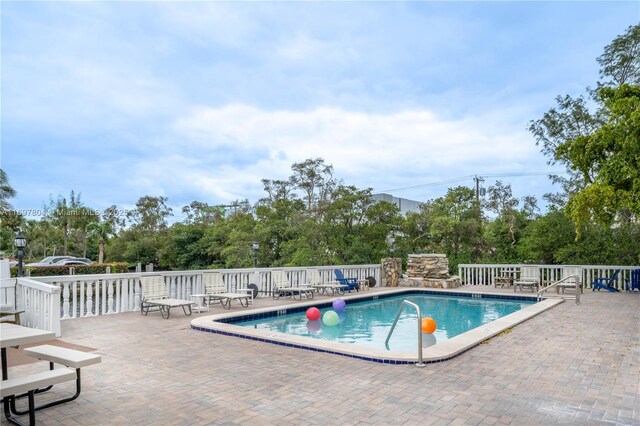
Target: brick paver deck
{"x": 572, "y": 365}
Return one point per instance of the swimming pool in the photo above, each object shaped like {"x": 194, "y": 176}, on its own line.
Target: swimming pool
{"x": 447, "y": 347}
{"x": 367, "y": 323}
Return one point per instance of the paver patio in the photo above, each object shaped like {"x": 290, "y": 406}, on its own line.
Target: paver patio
{"x": 572, "y": 364}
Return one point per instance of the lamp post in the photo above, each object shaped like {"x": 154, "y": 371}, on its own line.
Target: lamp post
{"x": 255, "y": 247}
{"x": 20, "y": 243}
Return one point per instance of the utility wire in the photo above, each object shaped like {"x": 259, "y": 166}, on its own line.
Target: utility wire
{"x": 461, "y": 178}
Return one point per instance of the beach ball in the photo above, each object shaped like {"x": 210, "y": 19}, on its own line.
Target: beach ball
{"x": 339, "y": 305}
{"x": 330, "y": 318}
{"x": 313, "y": 314}
{"x": 428, "y": 325}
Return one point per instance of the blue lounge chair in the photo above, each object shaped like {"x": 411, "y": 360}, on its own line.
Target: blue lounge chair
{"x": 606, "y": 283}
{"x": 634, "y": 282}
{"x": 352, "y": 283}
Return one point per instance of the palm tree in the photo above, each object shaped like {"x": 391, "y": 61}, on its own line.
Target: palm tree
{"x": 102, "y": 231}
{"x": 6, "y": 192}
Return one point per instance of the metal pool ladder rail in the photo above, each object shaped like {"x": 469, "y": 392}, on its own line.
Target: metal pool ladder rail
{"x": 395, "y": 321}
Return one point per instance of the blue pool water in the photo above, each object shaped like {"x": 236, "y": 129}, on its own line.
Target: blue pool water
{"x": 367, "y": 323}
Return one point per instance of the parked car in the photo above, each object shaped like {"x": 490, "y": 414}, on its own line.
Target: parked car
{"x": 49, "y": 260}
{"x": 74, "y": 261}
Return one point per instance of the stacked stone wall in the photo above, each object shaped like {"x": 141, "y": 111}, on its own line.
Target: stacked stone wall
{"x": 430, "y": 270}
{"x": 391, "y": 271}
{"x": 428, "y": 266}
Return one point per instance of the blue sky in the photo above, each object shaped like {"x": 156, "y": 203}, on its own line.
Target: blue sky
{"x": 200, "y": 101}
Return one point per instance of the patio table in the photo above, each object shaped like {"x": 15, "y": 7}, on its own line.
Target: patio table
{"x": 15, "y": 335}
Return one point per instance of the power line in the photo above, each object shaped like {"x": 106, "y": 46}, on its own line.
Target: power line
{"x": 468, "y": 177}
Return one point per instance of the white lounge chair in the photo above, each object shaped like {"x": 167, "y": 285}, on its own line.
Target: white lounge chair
{"x": 571, "y": 275}
{"x": 155, "y": 295}
{"x": 216, "y": 292}
{"x": 315, "y": 280}
{"x": 529, "y": 277}
{"x": 282, "y": 287}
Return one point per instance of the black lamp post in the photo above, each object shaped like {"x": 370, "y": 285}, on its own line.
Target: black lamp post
{"x": 255, "y": 247}
{"x": 20, "y": 243}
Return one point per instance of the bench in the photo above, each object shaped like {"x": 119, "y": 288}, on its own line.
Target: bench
{"x": 65, "y": 356}
{"x": 30, "y": 384}
{"x": 8, "y": 311}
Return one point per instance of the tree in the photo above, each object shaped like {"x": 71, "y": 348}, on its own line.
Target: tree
{"x": 455, "y": 226}
{"x": 199, "y": 213}
{"x": 68, "y": 216}
{"x": 509, "y": 221}
{"x": 620, "y": 62}
{"x": 150, "y": 214}
{"x": 545, "y": 237}
{"x": 600, "y": 150}
{"x": 611, "y": 155}
{"x": 315, "y": 179}
{"x": 101, "y": 231}
{"x": 6, "y": 192}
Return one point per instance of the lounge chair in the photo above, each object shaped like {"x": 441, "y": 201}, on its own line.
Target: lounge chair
{"x": 606, "y": 283}
{"x": 155, "y": 295}
{"x": 634, "y": 282}
{"x": 571, "y": 275}
{"x": 529, "y": 277}
{"x": 315, "y": 280}
{"x": 282, "y": 287}
{"x": 216, "y": 292}
{"x": 351, "y": 283}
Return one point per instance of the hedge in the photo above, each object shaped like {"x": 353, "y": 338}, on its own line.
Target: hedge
{"x": 96, "y": 268}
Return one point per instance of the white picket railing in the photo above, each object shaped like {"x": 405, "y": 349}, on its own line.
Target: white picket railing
{"x": 103, "y": 294}
{"x": 41, "y": 304}
{"x": 478, "y": 274}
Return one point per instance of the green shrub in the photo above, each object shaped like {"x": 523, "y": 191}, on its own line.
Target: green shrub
{"x": 96, "y": 268}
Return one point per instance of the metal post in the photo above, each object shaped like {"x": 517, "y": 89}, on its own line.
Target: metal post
{"x": 20, "y": 253}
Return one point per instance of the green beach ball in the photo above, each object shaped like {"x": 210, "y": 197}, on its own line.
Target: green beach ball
{"x": 330, "y": 318}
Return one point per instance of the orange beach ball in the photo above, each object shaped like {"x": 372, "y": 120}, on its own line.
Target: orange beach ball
{"x": 428, "y": 325}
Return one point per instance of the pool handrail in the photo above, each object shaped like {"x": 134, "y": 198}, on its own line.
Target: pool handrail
{"x": 395, "y": 321}
{"x": 555, "y": 284}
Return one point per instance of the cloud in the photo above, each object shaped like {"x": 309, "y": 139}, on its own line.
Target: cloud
{"x": 366, "y": 149}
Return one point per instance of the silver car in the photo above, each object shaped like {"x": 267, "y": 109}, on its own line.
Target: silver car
{"x": 49, "y": 260}
{"x": 74, "y": 261}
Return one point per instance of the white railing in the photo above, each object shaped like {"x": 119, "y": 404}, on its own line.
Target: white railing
{"x": 104, "y": 294}
{"x": 41, "y": 304}
{"x": 7, "y": 292}
{"x": 478, "y": 274}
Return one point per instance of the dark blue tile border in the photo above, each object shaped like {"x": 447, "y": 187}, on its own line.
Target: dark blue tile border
{"x": 285, "y": 311}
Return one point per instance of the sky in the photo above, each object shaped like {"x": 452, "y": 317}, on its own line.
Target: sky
{"x": 202, "y": 100}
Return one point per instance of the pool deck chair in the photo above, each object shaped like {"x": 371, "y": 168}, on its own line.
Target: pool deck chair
{"x": 156, "y": 297}
{"x": 351, "y": 283}
{"x": 216, "y": 292}
{"x": 529, "y": 277}
{"x": 332, "y": 287}
{"x": 282, "y": 287}
{"x": 571, "y": 275}
{"x": 634, "y": 282}
{"x": 606, "y": 283}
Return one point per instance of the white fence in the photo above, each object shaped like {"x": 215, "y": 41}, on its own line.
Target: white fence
{"x": 476, "y": 274}
{"x": 41, "y": 304}
{"x": 103, "y": 294}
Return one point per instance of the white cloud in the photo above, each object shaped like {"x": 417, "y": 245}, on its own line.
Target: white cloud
{"x": 368, "y": 150}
